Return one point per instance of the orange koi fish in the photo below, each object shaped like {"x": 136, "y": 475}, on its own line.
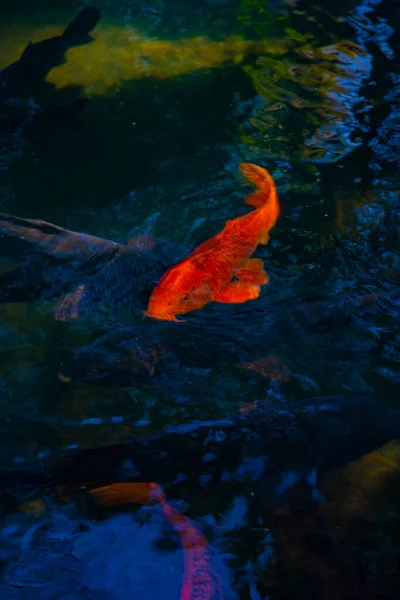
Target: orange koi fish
{"x": 200, "y": 582}
{"x": 220, "y": 269}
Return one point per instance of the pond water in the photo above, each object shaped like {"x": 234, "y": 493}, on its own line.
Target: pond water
{"x": 178, "y": 94}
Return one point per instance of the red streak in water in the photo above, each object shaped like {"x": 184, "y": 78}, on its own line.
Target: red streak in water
{"x": 200, "y": 582}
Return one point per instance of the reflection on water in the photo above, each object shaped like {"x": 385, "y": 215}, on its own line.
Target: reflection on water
{"x": 120, "y": 55}
{"x": 180, "y": 93}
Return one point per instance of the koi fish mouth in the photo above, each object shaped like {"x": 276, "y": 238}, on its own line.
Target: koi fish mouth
{"x": 162, "y": 316}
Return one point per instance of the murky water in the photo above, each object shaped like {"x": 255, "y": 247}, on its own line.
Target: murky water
{"x": 180, "y": 93}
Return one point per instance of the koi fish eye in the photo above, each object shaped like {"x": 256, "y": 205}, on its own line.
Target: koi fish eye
{"x": 185, "y": 298}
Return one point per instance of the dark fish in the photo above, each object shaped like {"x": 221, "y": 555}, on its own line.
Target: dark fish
{"x": 275, "y": 449}
{"x": 21, "y": 78}
{"x": 21, "y": 240}
{"x": 131, "y": 356}
{"x": 55, "y": 260}
{"x": 33, "y": 281}
{"x": 333, "y": 313}
{"x": 141, "y": 355}
{"x": 118, "y": 292}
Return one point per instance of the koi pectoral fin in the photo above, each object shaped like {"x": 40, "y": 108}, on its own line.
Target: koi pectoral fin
{"x": 68, "y": 308}
{"x": 253, "y": 272}
{"x": 237, "y": 292}
{"x": 257, "y": 198}
{"x": 264, "y": 239}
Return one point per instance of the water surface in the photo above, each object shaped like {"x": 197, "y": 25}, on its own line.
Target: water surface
{"x": 180, "y": 93}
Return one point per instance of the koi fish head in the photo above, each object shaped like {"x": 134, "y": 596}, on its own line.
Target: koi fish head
{"x": 182, "y": 289}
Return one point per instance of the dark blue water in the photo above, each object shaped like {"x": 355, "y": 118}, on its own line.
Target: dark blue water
{"x": 179, "y": 94}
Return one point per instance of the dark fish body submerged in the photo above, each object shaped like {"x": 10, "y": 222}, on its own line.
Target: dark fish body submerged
{"x": 21, "y": 78}
{"x": 139, "y": 355}
{"x": 118, "y": 292}
{"x": 22, "y": 240}
{"x": 53, "y": 260}
{"x": 274, "y": 449}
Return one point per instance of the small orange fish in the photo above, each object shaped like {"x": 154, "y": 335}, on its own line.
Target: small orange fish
{"x": 220, "y": 269}
{"x": 200, "y": 582}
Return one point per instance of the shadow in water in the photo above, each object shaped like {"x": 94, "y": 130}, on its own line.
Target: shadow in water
{"x": 165, "y": 131}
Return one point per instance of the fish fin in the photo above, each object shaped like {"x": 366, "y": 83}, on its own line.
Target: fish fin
{"x": 164, "y": 317}
{"x": 68, "y": 307}
{"x": 266, "y": 189}
{"x": 246, "y": 407}
{"x": 264, "y": 238}
{"x": 259, "y": 176}
{"x": 142, "y": 242}
{"x": 256, "y": 199}
{"x": 253, "y": 272}
{"x": 237, "y": 292}
{"x": 123, "y": 493}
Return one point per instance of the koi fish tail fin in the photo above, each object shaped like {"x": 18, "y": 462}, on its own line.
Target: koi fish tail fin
{"x": 262, "y": 180}
{"x": 123, "y": 493}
